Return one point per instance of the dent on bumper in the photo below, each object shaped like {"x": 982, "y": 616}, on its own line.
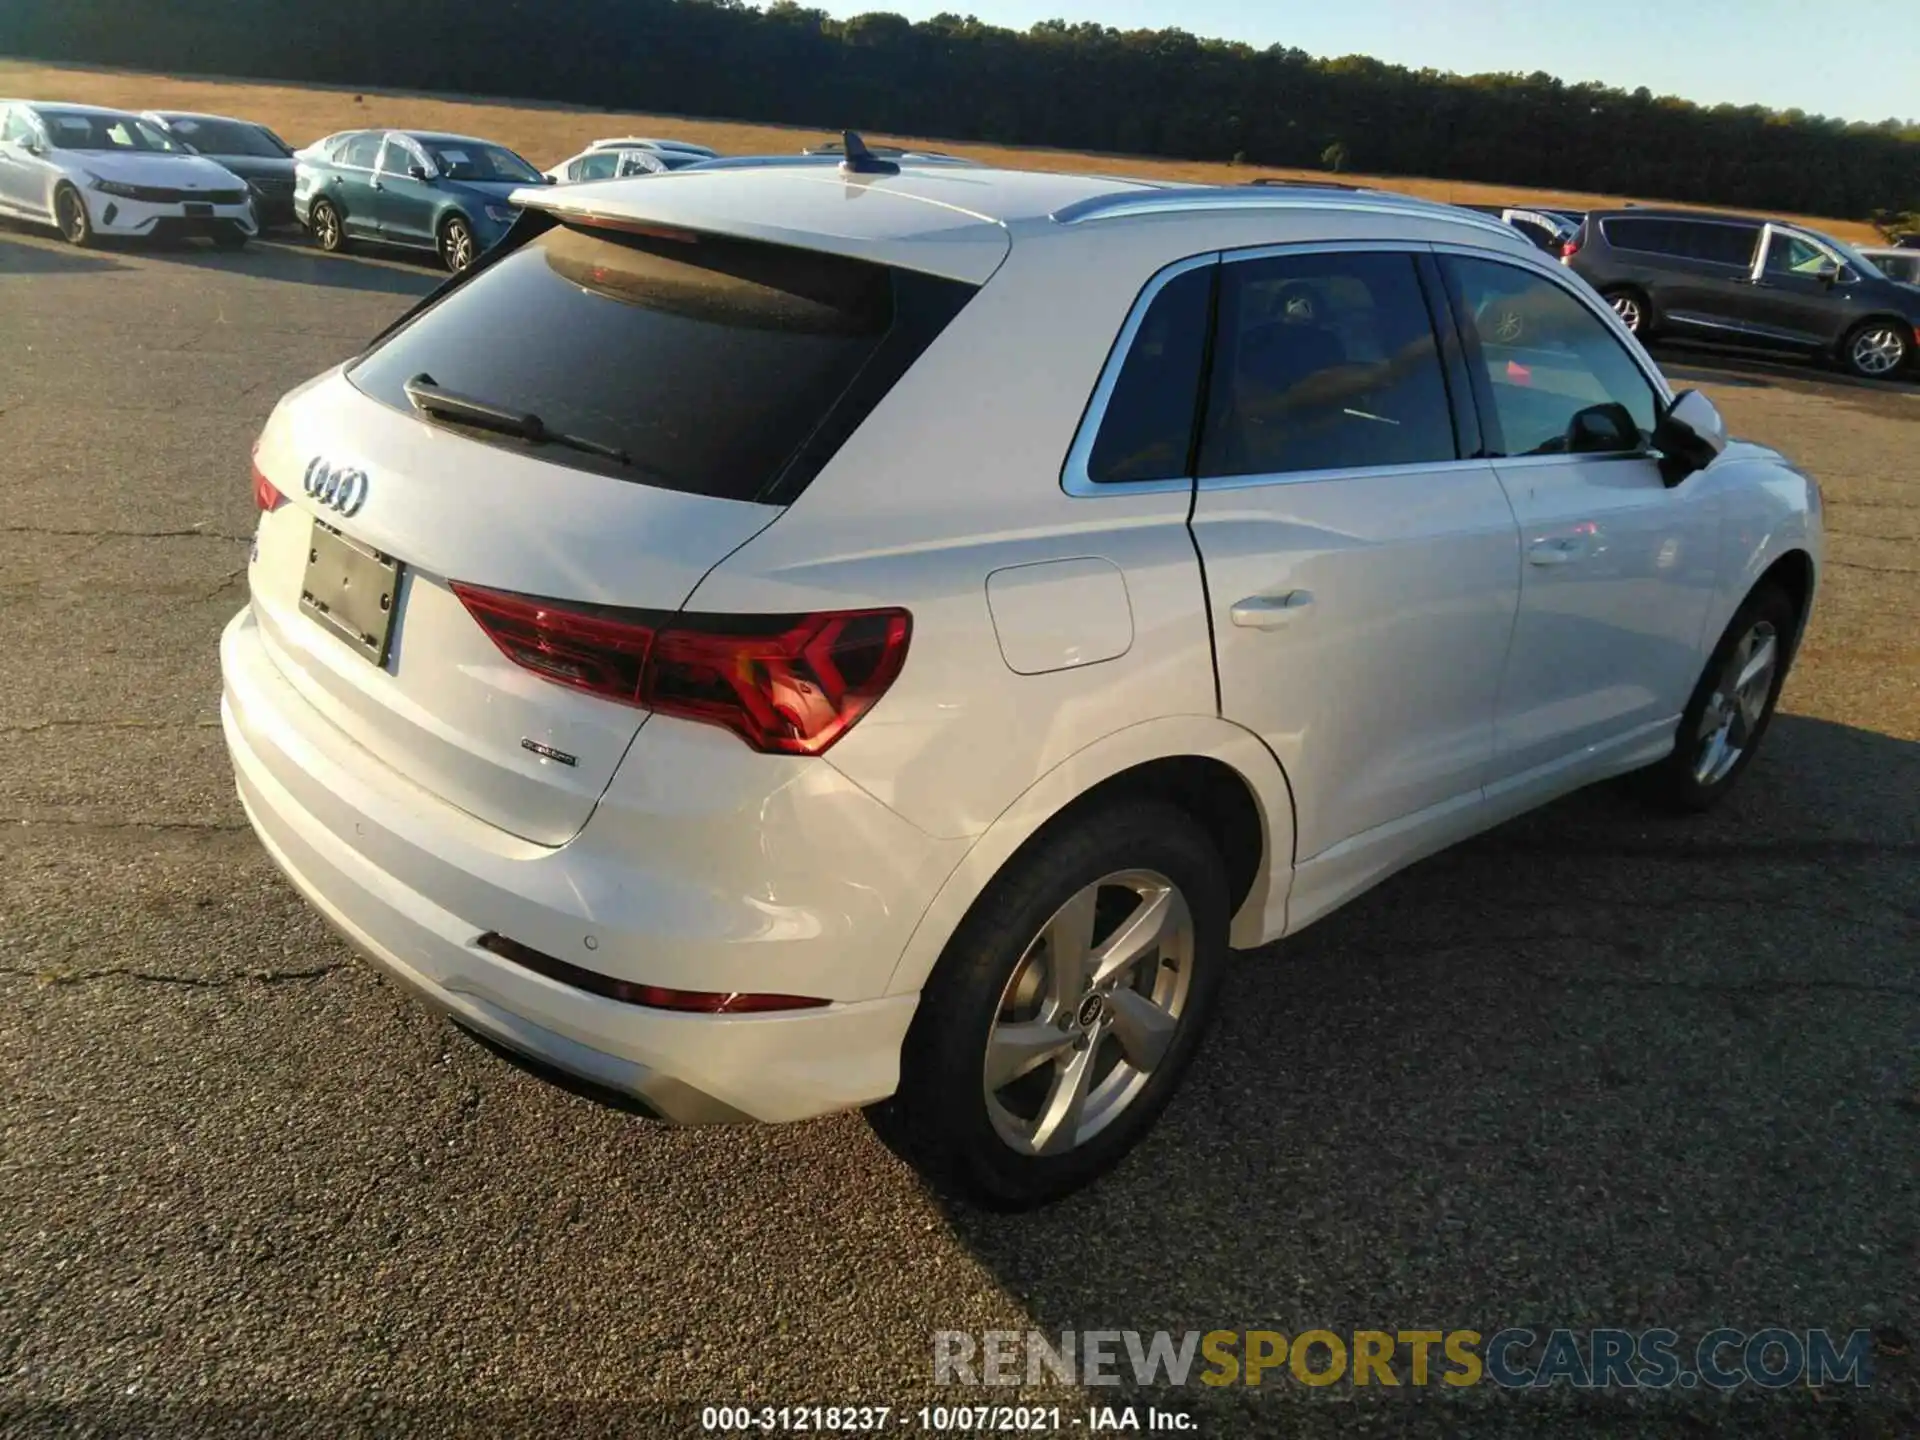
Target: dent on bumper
{"x": 690, "y": 1069}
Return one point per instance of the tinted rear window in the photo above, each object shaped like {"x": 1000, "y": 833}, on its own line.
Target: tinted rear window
{"x": 718, "y": 366}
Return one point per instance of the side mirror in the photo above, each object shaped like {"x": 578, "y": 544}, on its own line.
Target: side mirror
{"x": 1602, "y": 430}
{"x": 33, "y": 146}
{"x": 417, "y": 171}
{"x": 1689, "y": 437}
{"x": 1826, "y": 271}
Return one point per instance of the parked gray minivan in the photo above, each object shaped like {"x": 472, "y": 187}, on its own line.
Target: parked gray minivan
{"x": 1739, "y": 280}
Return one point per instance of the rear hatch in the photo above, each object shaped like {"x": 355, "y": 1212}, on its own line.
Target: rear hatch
{"x": 685, "y": 388}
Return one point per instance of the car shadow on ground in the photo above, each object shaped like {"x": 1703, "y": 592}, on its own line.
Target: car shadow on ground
{"x": 284, "y": 257}
{"x": 21, "y": 257}
{"x": 1597, "y": 1067}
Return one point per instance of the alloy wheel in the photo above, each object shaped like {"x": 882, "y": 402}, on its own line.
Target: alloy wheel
{"x": 457, "y": 246}
{"x": 326, "y": 227}
{"x": 1737, "y": 705}
{"x": 1628, "y": 309}
{"x": 1877, "y": 350}
{"x": 1090, "y": 1010}
{"x": 72, "y": 216}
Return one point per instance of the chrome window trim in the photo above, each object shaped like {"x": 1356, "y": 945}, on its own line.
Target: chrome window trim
{"x": 1351, "y": 472}
{"x": 1074, "y": 478}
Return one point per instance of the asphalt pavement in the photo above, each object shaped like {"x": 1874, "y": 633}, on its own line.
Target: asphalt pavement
{"x": 1590, "y": 1069}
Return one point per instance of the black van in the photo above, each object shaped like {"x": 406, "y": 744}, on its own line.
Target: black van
{"x": 1744, "y": 281}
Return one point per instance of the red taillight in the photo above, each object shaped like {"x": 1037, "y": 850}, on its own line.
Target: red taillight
{"x": 791, "y": 684}
{"x": 659, "y": 997}
{"x": 265, "y": 498}
{"x": 1570, "y": 249}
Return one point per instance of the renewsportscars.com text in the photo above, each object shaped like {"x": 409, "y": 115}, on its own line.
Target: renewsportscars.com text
{"x": 1514, "y": 1358}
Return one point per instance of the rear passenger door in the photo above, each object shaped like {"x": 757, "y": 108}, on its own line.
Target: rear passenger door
{"x": 1617, "y": 568}
{"x": 1709, "y": 284}
{"x": 1362, "y": 574}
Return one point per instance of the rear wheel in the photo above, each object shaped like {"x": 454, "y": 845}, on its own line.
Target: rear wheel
{"x": 1875, "y": 349}
{"x": 1731, "y": 707}
{"x": 324, "y": 221}
{"x": 1632, "y": 308}
{"x": 1059, "y": 1020}
{"x": 70, "y": 214}
{"x": 456, "y": 244}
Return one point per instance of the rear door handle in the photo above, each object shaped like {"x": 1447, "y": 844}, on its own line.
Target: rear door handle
{"x": 1269, "y": 612}
{"x": 1559, "y": 550}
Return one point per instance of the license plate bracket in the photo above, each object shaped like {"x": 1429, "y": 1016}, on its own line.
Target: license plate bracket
{"x": 352, "y": 590}
{"x": 198, "y": 208}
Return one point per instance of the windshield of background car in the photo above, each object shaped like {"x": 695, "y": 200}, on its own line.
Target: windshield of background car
{"x": 227, "y": 137}
{"x": 463, "y": 160}
{"x": 76, "y": 130}
{"x": 716, "y": 366}
{"x": 1852, "y": 256}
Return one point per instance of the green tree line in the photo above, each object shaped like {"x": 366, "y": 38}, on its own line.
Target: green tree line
{"x": 1085, "y": 87}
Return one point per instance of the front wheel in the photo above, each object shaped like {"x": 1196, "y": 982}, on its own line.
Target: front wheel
{"x": 70, "y": 214}
{"x": 456, "y": 244}
{"x": 1875, "y": 349}
{"x": 1058, "y": 1022}
{"x": 1731, "y": 707}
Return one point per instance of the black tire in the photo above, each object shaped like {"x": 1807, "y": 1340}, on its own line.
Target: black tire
{"x": 325, "y": 225}
{"x": 1633, "y": 307}
{"x": 458, "y": 249}
{"x": 231, "y": 238}
{"x": 1679, "y": 784}
{"x": 71, "y": 218}
{"x": 1877, "y": 349}
{"x": 941, "y": 1118}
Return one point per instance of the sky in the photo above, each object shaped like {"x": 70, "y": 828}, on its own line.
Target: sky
{"x": 1859, "y": 61}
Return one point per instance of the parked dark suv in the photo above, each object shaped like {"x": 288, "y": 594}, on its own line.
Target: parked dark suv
{"x": 1745, "y": 281}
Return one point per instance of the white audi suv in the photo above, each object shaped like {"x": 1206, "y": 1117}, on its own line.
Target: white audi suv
{"x": 767, "y": 641}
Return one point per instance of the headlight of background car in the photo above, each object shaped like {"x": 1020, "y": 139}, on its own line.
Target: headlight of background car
{"x": 501, "y": 214}
{"x": 114, "y": 187}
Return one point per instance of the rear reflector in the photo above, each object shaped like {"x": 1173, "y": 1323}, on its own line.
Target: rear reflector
{"x": 786, "y": 684}
{"x": 265, "y": 498}
{"x": 657, "y": 997}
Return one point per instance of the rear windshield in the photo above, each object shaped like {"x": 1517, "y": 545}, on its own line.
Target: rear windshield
{"x": 713, "y": 365}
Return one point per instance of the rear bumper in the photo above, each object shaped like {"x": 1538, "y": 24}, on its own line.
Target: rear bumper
{"x": 413, "y": 884}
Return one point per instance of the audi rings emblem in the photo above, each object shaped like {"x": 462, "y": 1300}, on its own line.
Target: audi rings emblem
{"x": 338, "y": 487}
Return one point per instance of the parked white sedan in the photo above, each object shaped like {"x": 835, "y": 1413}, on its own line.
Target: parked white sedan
{"x": 92, "y": 172}
{"x": 763, "y": 651}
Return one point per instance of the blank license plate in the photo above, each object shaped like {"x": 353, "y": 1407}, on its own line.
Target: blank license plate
{"x": 198, "y": 207}
{"x": 352, "y": 590}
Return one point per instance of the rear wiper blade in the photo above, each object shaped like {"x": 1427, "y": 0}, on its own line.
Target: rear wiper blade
{"x": 429, "y": 399}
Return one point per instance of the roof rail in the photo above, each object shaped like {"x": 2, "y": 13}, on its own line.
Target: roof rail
{"x": 1122, "y": 204}
{"x": 1303, "y": 184}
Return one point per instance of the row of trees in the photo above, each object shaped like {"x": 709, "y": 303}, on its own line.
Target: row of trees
{"x": 1077, "y": 86}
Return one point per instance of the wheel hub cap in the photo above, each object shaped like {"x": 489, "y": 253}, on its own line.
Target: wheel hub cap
{"x": 1737, "y": 705}
{"x": 1090, "y": 1010}
{"x": 1878, "y": 351}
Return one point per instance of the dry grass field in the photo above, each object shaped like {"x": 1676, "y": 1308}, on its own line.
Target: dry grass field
{"x": 547, "y": 133}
